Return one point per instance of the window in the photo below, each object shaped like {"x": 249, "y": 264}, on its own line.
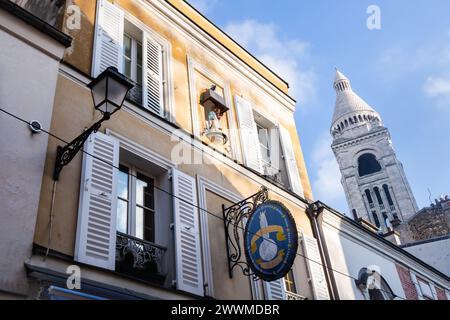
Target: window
{"x": 373, "y": 286}
{"x": 381, "y": 291}
{"x": 378, "y": 195}
{"x": 425, "y": 289}
{"x": 375, "y": 219}
{"x": 369, "y": 196}
{"x": 136, "y": 204}
{"x": 289, "y": 282}
{"x": 127, "y": 44}
{"x": 132, "y": 60}
{"x": 388, "y": 194}
{"x": 264, "y": 144}
{"x": 368, "y": 164}
{"x": 271, "y": 151}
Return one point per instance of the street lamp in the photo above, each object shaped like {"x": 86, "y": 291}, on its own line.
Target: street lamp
{"x": 109, "y": 90}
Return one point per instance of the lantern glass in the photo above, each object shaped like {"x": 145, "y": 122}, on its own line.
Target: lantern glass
{"x": 99, "y": 95}
{"x": 117, "y": 92}
{"x": 109, "y": 90}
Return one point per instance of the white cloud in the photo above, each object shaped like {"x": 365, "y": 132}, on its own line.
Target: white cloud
{"x": 204, "y": 6}
{"x": 286, "y": 57}
{"x": 326, "y": 185}
{"x": 437, "y": 86}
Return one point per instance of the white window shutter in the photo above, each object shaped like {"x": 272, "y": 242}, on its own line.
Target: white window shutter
{"x": 291, "y": 163}
{"x": 249, "y": 134}
{"x": 96, "y": 229}
{"x": 108, "y": 50}
{"x": 275, "y": 290}
{"x": 433, "y": 290}
{"x": 316, "y": 273}
{"x": 187, "y": 234}
{"x": 275, "y": 150}
{"x": 417, "y": 285}
{"x": 153, "y": 76}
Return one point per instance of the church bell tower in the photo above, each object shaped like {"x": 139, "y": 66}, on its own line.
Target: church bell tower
{"x": 373, "y": 178}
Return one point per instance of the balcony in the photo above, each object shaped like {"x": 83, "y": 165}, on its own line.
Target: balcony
{"x": 140, "y": 259}
{"x": 135, "y": 94}
{"x": 294, "y": 296}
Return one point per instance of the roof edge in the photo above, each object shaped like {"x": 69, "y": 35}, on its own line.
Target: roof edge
{"x": 196, "y": 17}
{"x": 36, "y": 22}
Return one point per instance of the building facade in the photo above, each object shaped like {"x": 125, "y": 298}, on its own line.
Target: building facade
{"x": 29, "y": 60}
{"x": 366, "y": 266}
{"x": 373, "y": 179}
{"x": 427, "y": 234}
{"x": 138, "y": 213}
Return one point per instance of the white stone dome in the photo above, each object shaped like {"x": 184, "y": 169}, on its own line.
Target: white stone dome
{"x": 350, "y": 110}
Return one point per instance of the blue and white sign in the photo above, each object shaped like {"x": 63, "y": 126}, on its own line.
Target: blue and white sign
{"x": 270, "y": 241}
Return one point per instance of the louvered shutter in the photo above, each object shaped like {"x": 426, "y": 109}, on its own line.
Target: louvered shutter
{"x": 275, "y": 290}
{"x": 187, "y": 235}
{"x": 291, "y": 163}
{"x": 275, "y": 148}
{"x": 249, "y": 134}
{"x": 314, "y": 263}
{"x": 108, "y": 50}
{"x": 433, "y": 290}
{"x": 96, "y": 229}
{"x": 417, "y": 285}
{"x": 153, "y": 76}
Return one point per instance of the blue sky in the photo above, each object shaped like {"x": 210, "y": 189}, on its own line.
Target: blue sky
{"x": 401, "y": 70}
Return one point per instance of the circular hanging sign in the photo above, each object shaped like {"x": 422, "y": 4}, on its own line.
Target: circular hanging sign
{"x": 270, "y": 241}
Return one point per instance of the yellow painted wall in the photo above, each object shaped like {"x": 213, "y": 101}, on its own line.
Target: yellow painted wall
{"x": 73, "y": 111}
{"x": 80, "y": 56}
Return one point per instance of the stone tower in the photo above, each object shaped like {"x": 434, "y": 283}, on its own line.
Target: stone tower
{"x": 373, "y": 178}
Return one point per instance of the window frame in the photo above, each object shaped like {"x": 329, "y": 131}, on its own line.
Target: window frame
{"x": 268, "y": 148}
{"x": 290, "y": 278}
{"x": 133, "y": 173}
{"x": 134, "y": 58}
{"x": 167, "y": 74}
{"x": 371, "y": 157}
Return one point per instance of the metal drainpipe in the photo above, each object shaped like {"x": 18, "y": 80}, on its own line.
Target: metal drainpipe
{"x": 314, "y": 210}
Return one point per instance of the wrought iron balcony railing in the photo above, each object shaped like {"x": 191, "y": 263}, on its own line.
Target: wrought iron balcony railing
{"x": 140, "y": 258}
{"x": 294, "y": 296}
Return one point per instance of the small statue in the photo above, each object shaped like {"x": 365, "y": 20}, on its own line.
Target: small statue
{"x": 213, "y": 122}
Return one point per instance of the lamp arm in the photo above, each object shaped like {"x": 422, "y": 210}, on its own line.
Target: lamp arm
{"x": 65, "y": 154}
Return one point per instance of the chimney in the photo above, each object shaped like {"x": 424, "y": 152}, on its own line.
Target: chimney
{"x": 393, "y": 236}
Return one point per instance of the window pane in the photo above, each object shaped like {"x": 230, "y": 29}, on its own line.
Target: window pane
{"x": 123, "y": 183}
{"x": 122, "y": 216}
{"x": 144, "y": 191}
{"x": 139, "y": 54}
{"x": 145, "y": 224}
{"x": 127, "y": 46}
{"x": 127, "y": 67}
{"x": 263, "y": 136}
{"x": 139, "y": 75}
{"x": 139, "y": 223}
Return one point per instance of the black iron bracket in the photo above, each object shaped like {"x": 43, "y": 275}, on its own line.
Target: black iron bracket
{"x": 65, "y": 154}
{"x": 233, "y": 217}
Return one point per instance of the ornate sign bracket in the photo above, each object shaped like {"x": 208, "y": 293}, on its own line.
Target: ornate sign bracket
{"x": 233, "y": 217}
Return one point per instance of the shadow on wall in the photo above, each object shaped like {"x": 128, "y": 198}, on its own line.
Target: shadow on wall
{"x": 51, "y": 11}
